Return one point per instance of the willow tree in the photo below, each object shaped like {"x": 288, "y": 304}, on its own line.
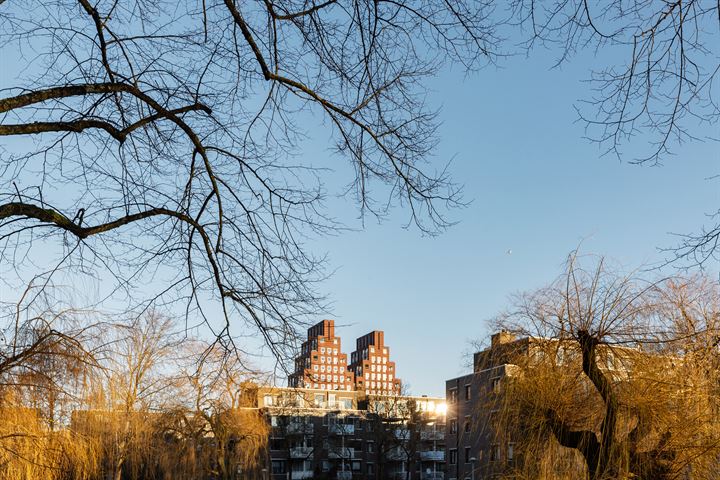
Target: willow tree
{"x": 620, "y": 379}
{"x": 217, "y": 415}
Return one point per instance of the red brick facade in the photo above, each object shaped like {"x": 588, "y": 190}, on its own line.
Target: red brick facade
{"x": 374, "y": 373}
{"x": 322, "y": 365}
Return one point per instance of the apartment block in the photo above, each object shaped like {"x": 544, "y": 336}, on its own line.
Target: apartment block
{"x": 375, "y": 373}
{"x": 321, "y": 363}
{"x": 348, "y": 435}
{"x": 473, "y": 451}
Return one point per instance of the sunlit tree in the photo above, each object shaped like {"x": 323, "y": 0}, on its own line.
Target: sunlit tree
{"x": 620, "y": 378}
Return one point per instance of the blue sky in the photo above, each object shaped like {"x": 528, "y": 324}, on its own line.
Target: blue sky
{"x": 537, "y": 188}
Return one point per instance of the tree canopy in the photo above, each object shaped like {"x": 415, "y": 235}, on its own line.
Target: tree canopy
{"x": 156, "y": 142}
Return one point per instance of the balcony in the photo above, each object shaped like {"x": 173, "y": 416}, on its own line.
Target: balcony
{"x": 432, "y": 476}
{"x": 436, "y": 435}
{"x": 344, "y": 475}
{"x": 341, "y": 429}
{"x": 433, "y": 456}
{"x": 299, "y": 427}
{"x": 402, "y": 433}
{"x": 301, "y": 452}
{"x": 345, "y": 404}
{"x": 397, "y": 475}
{"x": 397, "y": 454}
{"x": 343, "y": 453}
{"x": 302, "y": 474}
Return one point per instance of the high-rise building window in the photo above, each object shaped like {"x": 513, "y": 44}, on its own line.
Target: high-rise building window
{"x": 467, "y": 455}
{"x": 511, "y": 452}
{"x": 453, "y": 425}
{"x": 453, "y": 395}
{"x": 468, "y": 425}
{"x": 467, "y": 392}
{"x": 453, "y": 456}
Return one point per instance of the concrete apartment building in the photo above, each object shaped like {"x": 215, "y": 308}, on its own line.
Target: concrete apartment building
{"x": 472, "y": 449}
{"x": 348, "y": 421}
{"x": 348, "y": 435}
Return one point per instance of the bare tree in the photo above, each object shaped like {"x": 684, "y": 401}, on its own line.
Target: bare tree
{"x": 133, "y": 392}
{"x": 156, "y": 141}
{"x": 220, "y": 414}
{"x": 662, "y": 83}
{"x": 619, "y": 371}
{"x": 395, "y": 423}
{"x": 655, "y": 91}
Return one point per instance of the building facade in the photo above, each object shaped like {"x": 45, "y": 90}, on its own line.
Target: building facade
{"x": 321, "y": 363}
{"x": 473, "y": 449}
{"x": 348, "y": 435}
{"x": 374, "y": 372}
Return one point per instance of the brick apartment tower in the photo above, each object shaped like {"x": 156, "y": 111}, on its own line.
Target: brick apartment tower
{"x": 321, "y": 364}
{"x": 370, "y": 362}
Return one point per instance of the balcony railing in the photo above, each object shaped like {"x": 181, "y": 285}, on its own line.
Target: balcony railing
{"x": 341, "y": 429}
{"x": 397, "y": 454}
{"x": 302, "y": 474}
{"x": 402, "y": 433}
{"x": 301, "y": 452}
{"x": 344, "y": 453}
{"x": 433, "y": 455}
{"x": 299, "y": 427}
{"x": 436, "y": 435}
{"x": 397, "y": 475}
{"x": 432, "y": 475}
